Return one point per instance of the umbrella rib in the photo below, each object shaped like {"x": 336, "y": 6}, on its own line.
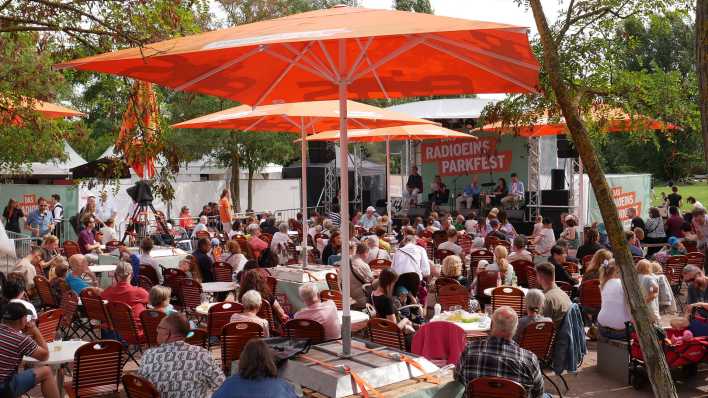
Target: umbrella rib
{"x": 254, "y": 124}
{"x": 376, "y": 75}
{"x": 290, "y": 120}
{"x": 360, "y": 57}
{"x": 313, "y": 62}
{"x": 482, "y": 51}
{"x": 221, "y": 68}
{"x": 413, "y": 41}
{"x": 285, "y": 71}
{"x": 335, "y": 70}
{"x": 299, "y": 65}
{"x": 480, "y": 66}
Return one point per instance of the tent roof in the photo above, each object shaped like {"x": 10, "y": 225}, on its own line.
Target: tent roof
{"x": 56, "y": 167}
{"x": 448, "y": 108}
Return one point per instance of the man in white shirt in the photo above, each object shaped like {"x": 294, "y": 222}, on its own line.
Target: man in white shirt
{"x": 105, "y": 209}
{"x": 546, "y": 240}
{"x": 451, "y": 242}
{"x": 516, "y": 193}
{"x": 411, "y": 258}
{"x": 58, "y": 213}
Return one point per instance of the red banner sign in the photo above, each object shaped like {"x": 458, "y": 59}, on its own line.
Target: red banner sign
{"x": 466, "y": 157}
{"x": 624, "y": 201}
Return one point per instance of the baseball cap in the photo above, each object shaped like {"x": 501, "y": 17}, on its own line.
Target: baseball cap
{"x": 401, "y": 290}
{"x": 673, "y": 241}
{"x": 14, "y": 311}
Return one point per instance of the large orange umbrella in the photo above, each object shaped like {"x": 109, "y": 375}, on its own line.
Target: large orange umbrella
{"x": 48, "y": 110}
{"x": 302, "y": 118}
{"x": 338, "y": 53}
{"x": 417, "y": 132}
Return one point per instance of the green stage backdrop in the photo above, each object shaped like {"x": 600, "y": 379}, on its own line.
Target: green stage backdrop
{"x": 27, "y": 195}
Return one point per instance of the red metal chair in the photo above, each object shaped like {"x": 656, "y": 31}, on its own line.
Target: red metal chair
{"x": 520, "y": 267}
{"x": 190, "y": 294}
{"x": 145, "y": 283}
{"x": 124, "y": 324}
{"x": 112, "y": 245}
{"x": 138, "y": 387}
{"x": 334, "y": 295}
{"x": 476, "y": 256}
{"x": 532, "y": 278}
{"x": 70, "y": 248}
{"x": 495, "y": 387}
{"x": 590, "y": 297}
{"x": 219, "y": 315}
{"x": 234, "y": 337}
{"x": 49, "y": 323}
{"x": 304, "y": 329}
{"x": 386, "y": 333}
{"x": 172, "y": 278}
{"x": 507, "y": 295}
{"x": 149, "y": 319}
{"x": 485, "y": 280}
{"x": 571, "y": 268}
{"x": 538, "y": 337}
{"x": 44, "y": 291}
{"x": 566, "y": 287}
{"x": 223, "y": 272}
{"x": 442, "y": 281}
{"x": 95, "y": 310}
{"x": 453, "y": 295}
{"x": 70, "y": 323}
{"x": 266, "y": 312}
{"x": 97, "y": 369}
{"x": 379, "y": 263}
{"x": 690, "y": 245}
{"x": 332, "y": 281}
{"x": 440, "y": 254}
{"x": 197, "y": 337}
{"x": 149, "y": 272}
{"x": 465, "y": 241}
{"x": 695, "y": 258}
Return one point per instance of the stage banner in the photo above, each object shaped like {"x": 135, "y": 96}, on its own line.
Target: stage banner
{"x": 456, "y": 158}
{"x": 27, "y": 194}
{"x": 631, "y": 191}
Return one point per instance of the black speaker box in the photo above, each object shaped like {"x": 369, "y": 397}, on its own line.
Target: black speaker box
{"x": 565, "y": 147}
{"x": 554, "y": 197}
{"x": 320, "y": 152}
{"x": 557, "y": 179}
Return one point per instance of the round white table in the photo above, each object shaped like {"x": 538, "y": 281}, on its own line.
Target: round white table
{"x": 488, "y": 291}
{"x": 470, "y": 327}
{"x": 60, "y": 354}
{"x": 359, "y": 319}
{"x": 97, "y": 269}
{"x": 203, "y": 309}
{"x": 218, "y": 287}
{"x": 299, "y": 248}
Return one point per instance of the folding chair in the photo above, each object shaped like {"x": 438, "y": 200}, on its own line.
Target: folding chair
{"x": 304, "y": 329}
{"x": 386, "y": 333}
{"x": 138, "y": 387}
{"x": 219, "y": 315}
{"x": 97, "y": 369}
{"x": 149, "y": 319}
{"x": 123, "y": 323}
{"x": 95, "y": 310}
{"x": 49, "y": 324}
{"x": 495, "y": 387}
{"x": 538, "y": 337}
{"x": 234, "y": 337}
{"x": 334, "y": 295}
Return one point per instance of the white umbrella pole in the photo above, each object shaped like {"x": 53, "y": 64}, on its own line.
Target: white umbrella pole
{"x": 344, "y": 205}
{"x": 388, "y": 182}
{"x": 581, "y": 200}
{"x": 303, "y": 193}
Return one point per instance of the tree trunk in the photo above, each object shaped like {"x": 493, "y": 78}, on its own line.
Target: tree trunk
{"x": 657, "y": 369}
{"x": 250, "y": 189}
{"x": 236, "y": 181}
{"x": 702, "y": 68}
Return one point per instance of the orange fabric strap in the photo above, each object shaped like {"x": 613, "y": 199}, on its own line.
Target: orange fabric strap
{"x": 410, "y": 361}
{"x": 364, "y": 387}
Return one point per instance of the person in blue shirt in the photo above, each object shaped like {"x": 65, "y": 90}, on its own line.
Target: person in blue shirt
{"x": 79, "y": 267}
{"x": 40, "y": 221}
{"x": 257, "y": 376}
{"x": 470, "y": 196}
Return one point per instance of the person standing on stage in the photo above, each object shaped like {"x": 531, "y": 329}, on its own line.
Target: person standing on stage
{"x": 516, "y": 193}
{"x": 470, "y": 195}
{"x": 414, "y": 186}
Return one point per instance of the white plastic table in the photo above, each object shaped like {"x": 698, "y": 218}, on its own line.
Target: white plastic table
{"x": 217, "y": 287}
{"x": 97, "y": 269}
{"x": 359, "y": 319}
{"x": 471, "y": 327}
{"x": 60, "y": 354}
{"x": 488, "y": 291}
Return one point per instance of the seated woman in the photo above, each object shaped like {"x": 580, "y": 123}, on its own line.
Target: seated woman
{"x": 251, "y": 301}
{"x": 333, "y": 248}
{"x": 382, "y": 298}
{"x": 159, "y": 299}
{"x": 254, "y": 280}
{"x": 501, "y": 264}
{"x": 570, "y": 233}
{"x": 590, "y": 243}
{"x": 534, "y": 304}
{"x": 592, "y": 271}
{"x": 650, "y": 288}
{"x": 614, "y": 310}
{"x": 452, "y": 268}
{"x": 55, "y": 283}
{"x": 257, "y": 375}
{"x": 234, "y": 257}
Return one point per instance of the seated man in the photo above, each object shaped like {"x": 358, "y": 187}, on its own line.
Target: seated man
{"x": 122, "y": 291}
{"x": 14, "y": 291}
{"x": 500, "y": 356}
{"x": 204, "y": 262}
{"x": 177, "y": 368}
{"x": 414, "y": 186}
{"x": 556, "y": 303}
{"x": 518, "y": 250}
{"x": 80, "y": 269}
{"x": 322, "y": 312}
{"x": 87, "y": 241}
{"x": 451, "y": 242}
{"x": 697, "y": 287}
{"x": 19, "y": 338}
{"x": 516, "y": 193}
{"x": 470, "y": 196}
{"x": 27, "y": 266}
{"x": 557, "y": 258}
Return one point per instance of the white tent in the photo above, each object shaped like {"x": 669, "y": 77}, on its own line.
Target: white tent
{"x": 56, "y": 167}
{"x": 449, "y": 108}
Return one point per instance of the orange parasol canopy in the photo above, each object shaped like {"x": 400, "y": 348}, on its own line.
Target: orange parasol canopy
{"x": 612, "y": 120}
{"x": 296, "y": 117}
{"x": 397, "y": 133}
{"x": 384, "y": 54}
{"x": 49, "y": 110}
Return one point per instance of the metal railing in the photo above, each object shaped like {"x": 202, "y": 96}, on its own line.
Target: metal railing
{"x": 23, "y": 246}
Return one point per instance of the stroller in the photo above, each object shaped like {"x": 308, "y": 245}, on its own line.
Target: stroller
{"x": 683, "y": 354}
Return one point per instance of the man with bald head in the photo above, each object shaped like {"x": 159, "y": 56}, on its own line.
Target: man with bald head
{"x": 80, "y": 269}
{"x": 176, "y": 368}
{"x": 500, "y": 356}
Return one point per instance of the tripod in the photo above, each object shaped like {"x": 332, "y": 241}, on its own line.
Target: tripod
{"x": 141, "y": 233}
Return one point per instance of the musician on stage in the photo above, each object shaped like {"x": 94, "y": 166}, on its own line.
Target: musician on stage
{"x": 516, "y": 195}
{"x": 500, "y": 191}
{"x": 470, "y": 196}
{"x": 414, "y": 186}
{"x": 440, "y": 194}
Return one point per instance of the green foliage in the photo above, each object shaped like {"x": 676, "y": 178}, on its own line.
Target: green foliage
{"x": 247, "y": 11}
{"x": 413, "y": 5}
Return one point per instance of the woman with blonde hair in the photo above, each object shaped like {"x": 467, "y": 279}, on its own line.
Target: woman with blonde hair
{"x": 614, "y": 312}
{"x": 159, "y": 299}
{"x": 650, "y": 287}
{"x": 593, "y": 269}
{"x": 452, "y": 268}
{"x": 501, "y": 263}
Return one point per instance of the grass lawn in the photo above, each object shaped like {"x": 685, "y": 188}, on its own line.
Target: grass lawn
{"x": 698, "y": 191}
